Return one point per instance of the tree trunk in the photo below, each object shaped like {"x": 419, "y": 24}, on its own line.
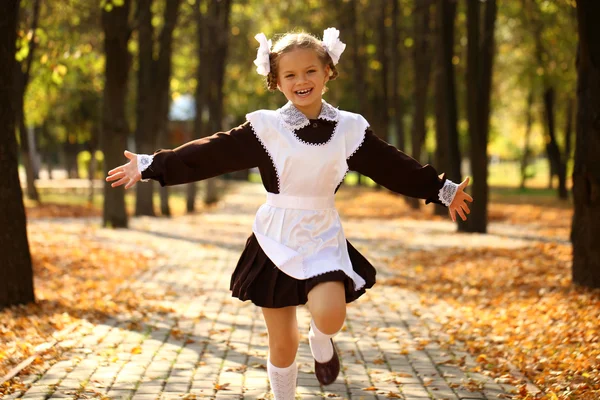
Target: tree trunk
{"x": 552, "y": 149}
{"x": 219, "y": 16}
{"x": 51, "y": 148}
{"x": 480, "y": 56}
{"x": 557, "y": 166}
{"x": 92, "y": 172}
{"x": 201, "y": 95}
{"x": 357, "y": 49}
{"x": 163, "y": 79}
{"x": 568, "y": 132}
{"x": 422, "y": 56}
{"x": 70, "y": 152}
{"x": 22, "y": 80}
{"x": 395, "y": 65}
{"x": 447, "y": 151}
{"x": 145, "y": 136}
{"x": 526, "y": 150}
{"x": 585, "y": 231}
{"x": 16, "y": 285}
{"x": 26, "y": 156}
{"x": 357, "y": 55}
{"x": 382, "y": 116}
{"x": 114, "y": 122}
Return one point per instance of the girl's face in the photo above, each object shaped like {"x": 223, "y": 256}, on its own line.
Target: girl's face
{"x": 301, "y": 77}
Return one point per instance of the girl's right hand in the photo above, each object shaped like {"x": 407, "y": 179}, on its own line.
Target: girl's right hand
{"x": 127, "y": 174}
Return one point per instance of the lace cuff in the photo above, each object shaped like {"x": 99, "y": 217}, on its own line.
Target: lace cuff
{"x": 447, "y": 192}
{"x": 143, "y": 162}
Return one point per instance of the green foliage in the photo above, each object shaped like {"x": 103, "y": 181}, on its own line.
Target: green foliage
{"x": 108, "y": 5}
{"x": 83, "y": 164}
{"x": 66, "y": 84}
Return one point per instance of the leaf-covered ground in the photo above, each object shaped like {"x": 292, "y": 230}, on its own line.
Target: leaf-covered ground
{"x": 517, "y": 309}
{"x": 75, "y": 279}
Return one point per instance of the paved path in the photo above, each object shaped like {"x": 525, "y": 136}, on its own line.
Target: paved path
{"x": 190, "y": 339}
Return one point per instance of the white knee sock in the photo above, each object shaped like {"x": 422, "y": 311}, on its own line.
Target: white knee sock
{"x": 283, "y": 380}
{"x": 320, "y": 345}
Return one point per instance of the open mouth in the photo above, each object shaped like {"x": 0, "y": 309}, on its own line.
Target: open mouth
{"x": 303, "y": 93}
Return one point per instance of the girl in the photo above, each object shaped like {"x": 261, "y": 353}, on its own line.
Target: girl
{"x": 297, "y": 253}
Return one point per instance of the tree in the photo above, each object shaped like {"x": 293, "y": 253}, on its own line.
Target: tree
{"x": 16, "y": 285}
{"x": 585, "y": 231}
{"x": 558, "y": 161}
{"x": 115, "y": 22}
{"x": 154, "y": 76}
{"x": 395, "y": 66}
{"x": 381, "y": 117}
{"x": 527, "y": 138}
{"x": 212, "y": 37}
{"x": 447, "y": 152}
{"x": 422, "y": 60}
{"x": 22, "y": 73}
{"x": 480, "y": 56}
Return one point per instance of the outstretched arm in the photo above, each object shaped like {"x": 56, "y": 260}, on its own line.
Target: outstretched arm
{"x": 223, "y": 152}
{"x": 402, "y": 174}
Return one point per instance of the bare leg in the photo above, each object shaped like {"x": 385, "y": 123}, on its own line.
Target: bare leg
{"x": 283, "y": 335}
{"x": 327, "y": 305}
{"x": 283, "y": 346}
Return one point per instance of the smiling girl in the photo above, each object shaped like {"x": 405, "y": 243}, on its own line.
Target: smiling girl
{"x": 297, "y": 253}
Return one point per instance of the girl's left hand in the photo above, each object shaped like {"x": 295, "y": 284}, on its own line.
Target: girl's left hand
{"x": 459, "y": 205}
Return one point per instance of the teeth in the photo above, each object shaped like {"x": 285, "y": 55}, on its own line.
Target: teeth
{"x": 303, "y": 91}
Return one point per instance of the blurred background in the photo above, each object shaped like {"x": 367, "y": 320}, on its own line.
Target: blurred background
{"x": 486, "y": 89}
{"x": 182, "y": 69}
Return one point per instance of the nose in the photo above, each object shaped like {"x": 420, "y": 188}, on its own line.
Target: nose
{"x": 303, "y": 78}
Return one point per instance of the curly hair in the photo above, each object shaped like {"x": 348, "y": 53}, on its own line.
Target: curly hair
{"x": 293, "y": 41}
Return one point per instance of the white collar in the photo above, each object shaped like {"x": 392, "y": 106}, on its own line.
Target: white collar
{"x": 294, "y": 119}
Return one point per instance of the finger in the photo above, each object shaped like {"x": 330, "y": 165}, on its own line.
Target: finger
{"x": 452, "y": 214}
{"x": 130, "y": 155}
{"x": 465, "y": 183}
{"x": 130, "y": 184}
{"x": 461, "y": 213}
{"x": 465, "y": 208}
{"x": 119, "y": 168}
{"x": 467, "y": 197}
{"x": 115, "y": 176}
{"x": 120, "y": 182}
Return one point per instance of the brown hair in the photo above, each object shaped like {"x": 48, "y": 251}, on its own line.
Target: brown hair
{"x": 293, "y": 41}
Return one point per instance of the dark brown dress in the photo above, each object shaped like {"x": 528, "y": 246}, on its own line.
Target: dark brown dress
{"x": 256, "y": 277}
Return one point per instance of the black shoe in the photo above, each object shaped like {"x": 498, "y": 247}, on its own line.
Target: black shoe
{"x": 328, "y": 372}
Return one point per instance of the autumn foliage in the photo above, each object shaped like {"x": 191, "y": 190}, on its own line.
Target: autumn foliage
{"x": 516, "y": 309}
{"x": 76, "y": 278}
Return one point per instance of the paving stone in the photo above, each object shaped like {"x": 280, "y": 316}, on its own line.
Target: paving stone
{"x": 199, "y": 335}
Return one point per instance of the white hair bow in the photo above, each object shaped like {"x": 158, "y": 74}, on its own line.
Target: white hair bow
{"x": 263, "y": 65}
{"x": 332, "y": 44}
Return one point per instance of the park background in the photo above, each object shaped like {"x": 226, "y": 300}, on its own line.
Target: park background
{"x": 488, "y": 89}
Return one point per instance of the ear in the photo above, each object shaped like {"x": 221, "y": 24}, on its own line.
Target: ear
{"x": 327, "y": 73}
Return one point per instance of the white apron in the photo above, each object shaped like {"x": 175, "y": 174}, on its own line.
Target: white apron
{"x": 299, "y": 229}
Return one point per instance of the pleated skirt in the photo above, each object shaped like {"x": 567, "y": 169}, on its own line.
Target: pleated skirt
{"x": 257, "y": 279}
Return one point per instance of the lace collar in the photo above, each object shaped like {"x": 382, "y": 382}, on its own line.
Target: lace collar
{"x": 294, "y": 119}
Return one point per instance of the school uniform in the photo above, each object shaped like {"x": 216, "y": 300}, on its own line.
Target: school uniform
{"x": 297, "y": 238}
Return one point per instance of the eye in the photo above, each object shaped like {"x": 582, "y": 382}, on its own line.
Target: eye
{"x": 289, "y": 76}
{"x": 310, "y": 71}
